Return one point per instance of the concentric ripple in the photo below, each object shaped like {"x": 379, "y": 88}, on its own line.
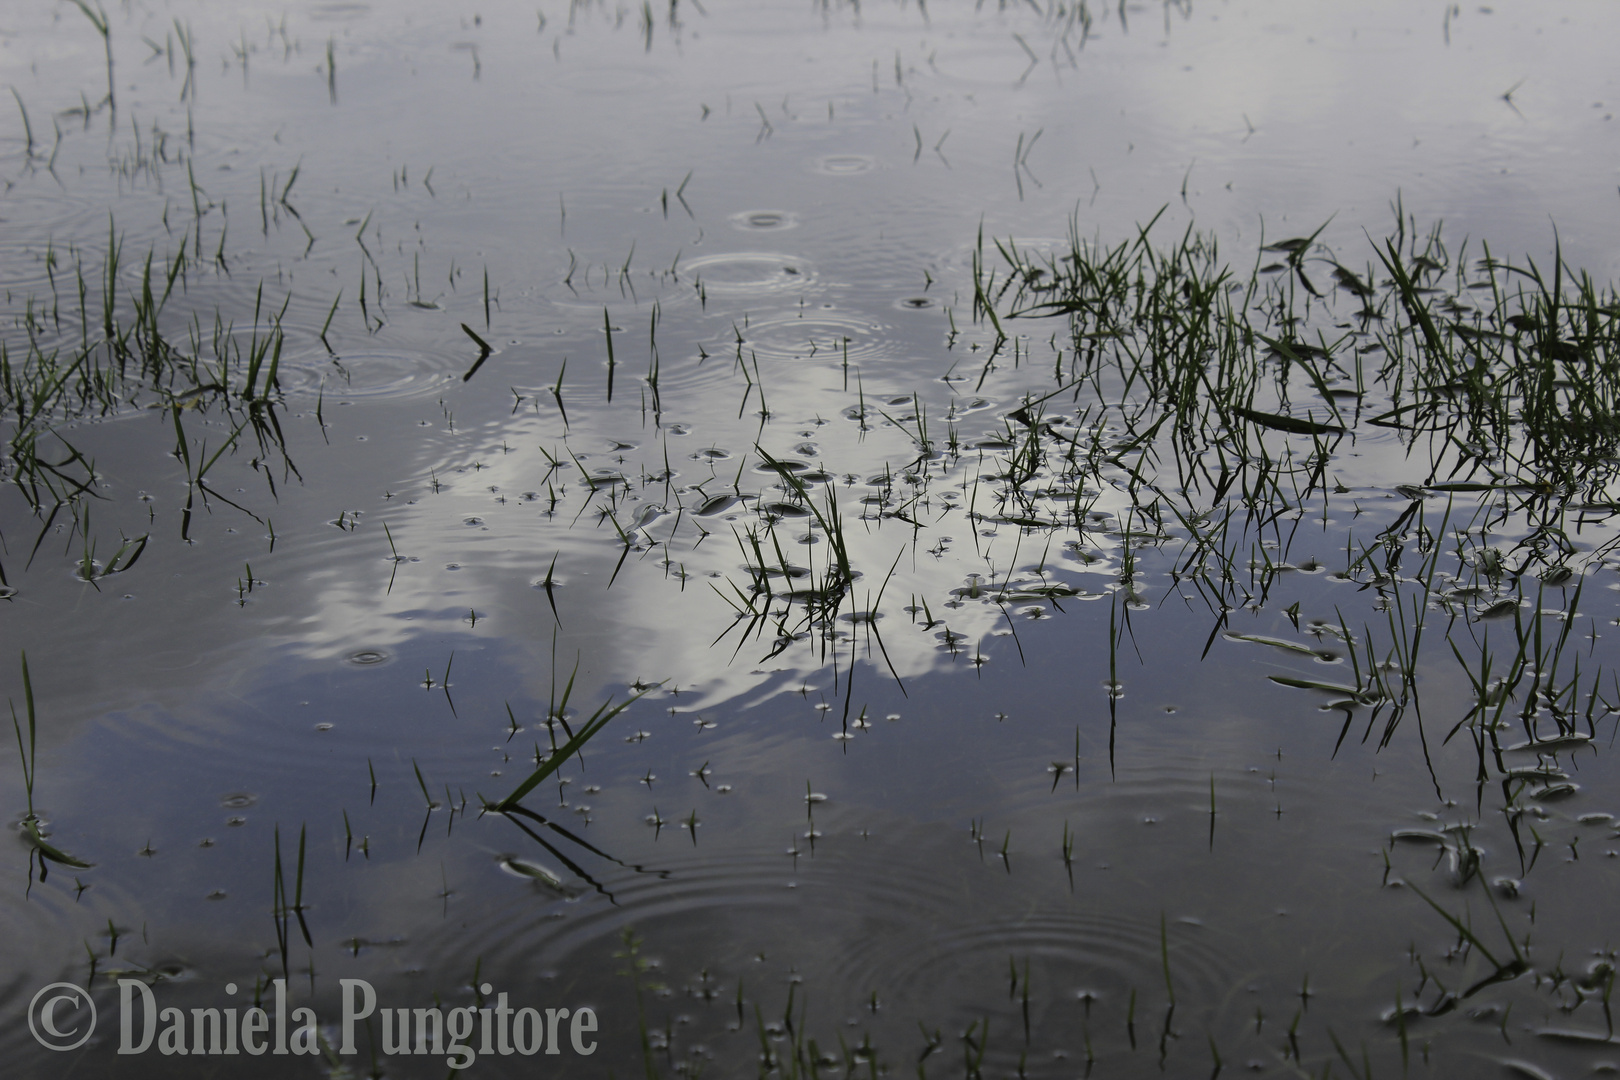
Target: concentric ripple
{"x": 379, "y": 374}
{"x": 827, "y": 335}
{"x": 744, "y": 273}
{"x": 917, "y": 919}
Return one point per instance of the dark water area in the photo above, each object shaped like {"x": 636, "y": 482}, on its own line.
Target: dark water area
{"x": 1041, "y": 539}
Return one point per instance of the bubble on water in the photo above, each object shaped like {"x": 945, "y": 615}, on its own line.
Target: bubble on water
{"x": 239, "y": 800}
{"x": 367, "y": 657}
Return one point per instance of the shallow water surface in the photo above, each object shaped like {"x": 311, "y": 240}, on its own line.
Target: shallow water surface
{"x": 1088, "y": 603}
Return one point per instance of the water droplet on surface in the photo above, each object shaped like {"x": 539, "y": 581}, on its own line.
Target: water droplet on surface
{"x": 845, "y": 164}
{"x": 764, "y": 220}
{"x": 367, "y": 657}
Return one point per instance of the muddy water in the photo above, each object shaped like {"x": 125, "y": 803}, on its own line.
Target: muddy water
{"x": 1027, "y": 800}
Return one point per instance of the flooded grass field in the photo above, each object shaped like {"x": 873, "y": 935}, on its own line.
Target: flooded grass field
{"x": 810, "y": 539}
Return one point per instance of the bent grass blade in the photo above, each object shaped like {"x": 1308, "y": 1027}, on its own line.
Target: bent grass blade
{"x": 597, "y": 721}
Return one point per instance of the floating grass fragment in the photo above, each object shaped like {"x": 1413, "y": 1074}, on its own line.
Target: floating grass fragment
{"x": 1290, "y": 424}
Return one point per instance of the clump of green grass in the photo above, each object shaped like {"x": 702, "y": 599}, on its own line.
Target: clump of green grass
{"x": 1216, "y": 399}
{"x": 130, "y": 353}
{"x": 1508, "y": 378}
